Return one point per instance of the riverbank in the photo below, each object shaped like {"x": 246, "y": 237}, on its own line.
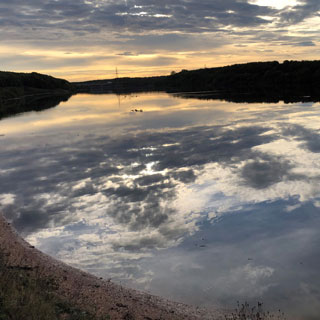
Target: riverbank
{"x": 258, "y": 82}
{"x": 22, "y": 92}
{"x": 271, "y": 82}
{"x": 32, "y": 102}
{"x": 63, "y": 292}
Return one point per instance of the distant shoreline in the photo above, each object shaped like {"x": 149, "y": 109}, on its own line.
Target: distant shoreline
{"x": 258, "y": 82}
{"x": 290, "y": 81}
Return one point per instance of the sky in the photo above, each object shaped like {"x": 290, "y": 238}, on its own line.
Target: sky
{"x": 90, "y": 39}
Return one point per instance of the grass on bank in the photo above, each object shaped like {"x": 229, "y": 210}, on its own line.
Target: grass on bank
{"x": 25, "y": 297}
{"x": 246, "y": 312}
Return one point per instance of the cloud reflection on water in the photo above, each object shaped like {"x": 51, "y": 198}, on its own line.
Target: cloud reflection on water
{"x": 122, "y": 203}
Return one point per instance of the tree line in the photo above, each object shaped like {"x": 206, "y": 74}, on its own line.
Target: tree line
{"x": 290, "y": 81}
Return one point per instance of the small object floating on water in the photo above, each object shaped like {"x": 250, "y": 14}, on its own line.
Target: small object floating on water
{"x": 136, "y": 110}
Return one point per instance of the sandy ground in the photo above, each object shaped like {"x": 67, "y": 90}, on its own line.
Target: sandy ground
{"x": 85, "y": 290}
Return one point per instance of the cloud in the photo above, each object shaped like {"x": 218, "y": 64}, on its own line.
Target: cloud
{"x": 245, "y": 258}
{"x": 137, "y": 194}
{"x": 137, "y": 16}
{"x": 260, "y": 174}
{"x": 306, "y": 9}
{"x": 248, "y": 279}
{"x": 309, "y": 137}
{"x": 43, "y": 61}
{"x": 158, "y": 61}
{"x": 138, "y": 203}
{"x": 126, "y": 54}
{"x": 305, "y": 44}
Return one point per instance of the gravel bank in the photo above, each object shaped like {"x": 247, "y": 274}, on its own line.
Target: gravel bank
{"x": 96, "y": 295}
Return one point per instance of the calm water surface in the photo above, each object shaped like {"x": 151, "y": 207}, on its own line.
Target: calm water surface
{"x": 204, "y": 202}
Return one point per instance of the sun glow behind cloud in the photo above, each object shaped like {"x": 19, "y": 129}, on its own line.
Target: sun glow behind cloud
{"x": 278, "y": 4}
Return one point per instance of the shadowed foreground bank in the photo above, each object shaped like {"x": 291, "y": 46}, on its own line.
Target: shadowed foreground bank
{"x": 35, "y": 286}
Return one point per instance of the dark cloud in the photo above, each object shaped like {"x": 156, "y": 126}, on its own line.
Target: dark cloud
{"x": 261, "y": 175}
{"x": 305, "y": 9}
{"x": 305, "y": 44}
{"x": 185, "y": 176}
{"x": 264, "y": 172}
{"x": 149, "y": 179}
{"x": 281, "y": 38}
{"x": 309, "y": 137}
{"x": 136, "y": 15}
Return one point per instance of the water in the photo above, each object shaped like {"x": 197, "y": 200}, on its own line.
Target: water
{"x": 204, "y": 202}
